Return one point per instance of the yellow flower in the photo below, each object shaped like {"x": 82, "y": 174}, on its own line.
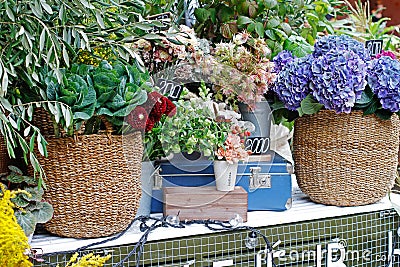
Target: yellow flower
{"x": 13, "y": 242}
{"x": 88, "y": 260}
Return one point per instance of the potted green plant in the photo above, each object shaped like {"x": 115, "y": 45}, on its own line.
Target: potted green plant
{"x": 346, "y": 139}
{"x": 30, "y": 206}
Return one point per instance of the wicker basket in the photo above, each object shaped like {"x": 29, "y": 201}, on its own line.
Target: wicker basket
{"x": 345, "y": 159}
{"x": 93, "y": 183}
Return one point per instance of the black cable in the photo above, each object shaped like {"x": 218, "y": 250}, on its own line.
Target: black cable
{"x": 213, "y": 225}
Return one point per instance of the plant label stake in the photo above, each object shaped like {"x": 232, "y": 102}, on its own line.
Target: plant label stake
{"x": 374, "y": 47}
{"x": 173, "y": 89}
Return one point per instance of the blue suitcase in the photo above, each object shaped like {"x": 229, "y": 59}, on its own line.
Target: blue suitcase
{"x": 268, "y": 183}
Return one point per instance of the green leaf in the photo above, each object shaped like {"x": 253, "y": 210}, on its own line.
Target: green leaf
{"x": 273, "y": 23}
{"x": 42, "y": 212}
{"x": 225, "y": 13}
{"x": 26, "y": 220}
{"x": 36, "y": 194}
{"x": 104, "y": 111}
{"x": 372, "y": 107}
{"x": 20, "y": 201}
{"x": 259, "y": 27}
{"x": 309, "y": 105}
{"x": 384, "y": 114}
{"x": 298, "y": 46}
{"x": 243, "y": 20}
{"x": 99, "y": 19}
{"x": 270, "y": 3}
{"x": 201, "y": 14}
{"x": 14, "y": 178}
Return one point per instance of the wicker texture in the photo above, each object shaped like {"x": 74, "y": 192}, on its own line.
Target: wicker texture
{"x": 93, "y": 183}
{"x": 345, "y": 159}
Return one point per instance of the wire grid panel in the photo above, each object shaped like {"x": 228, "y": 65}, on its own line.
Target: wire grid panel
{"x": 363, "y": 237}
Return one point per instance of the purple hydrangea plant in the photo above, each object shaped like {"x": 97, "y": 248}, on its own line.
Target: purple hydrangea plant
{"x": 292, "y": 83}
{"x": 338, "y": 79}
{"x": 324, "y": 44}
{"x": 384, "y": 80}
{"x": 281, "y": 60}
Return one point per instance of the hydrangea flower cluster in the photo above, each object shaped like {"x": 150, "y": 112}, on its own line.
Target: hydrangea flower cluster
{"x": 334, "y": 74}
{"x": 292, "y": 85}
{"x": 384, "y": 80}
{"x": 324, "y": 44}
{"x": 281, "y": 60}
{"x": 338, "y": 79}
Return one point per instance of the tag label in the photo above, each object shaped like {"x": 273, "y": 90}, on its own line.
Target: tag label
{"x": 374, "y": 47}
{"x": 257, "y": 145}
{"x": 170, "y": 88}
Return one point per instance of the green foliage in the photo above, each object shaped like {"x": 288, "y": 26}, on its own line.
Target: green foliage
{"x": 30, "y": 207}
{"x": 275, "y": 20}
{"x": 194, "y": 127}
{"x": 50, "y": 33}
{"x": 359, "y": 25}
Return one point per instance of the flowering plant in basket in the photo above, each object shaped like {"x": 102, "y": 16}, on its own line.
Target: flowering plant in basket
{"x": 339, "y": 75}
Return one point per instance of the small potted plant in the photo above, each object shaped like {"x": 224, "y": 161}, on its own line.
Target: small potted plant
{"x": 345, "y": 139}
{"x": 227, "y": 157}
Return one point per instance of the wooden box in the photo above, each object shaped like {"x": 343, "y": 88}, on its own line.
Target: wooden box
{"x": 200, "y": 203}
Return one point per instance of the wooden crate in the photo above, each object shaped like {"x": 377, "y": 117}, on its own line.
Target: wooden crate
{"x": 198, "y": 203}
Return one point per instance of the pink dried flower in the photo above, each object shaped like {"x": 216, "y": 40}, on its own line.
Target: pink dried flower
{"x": 233, "y": 149}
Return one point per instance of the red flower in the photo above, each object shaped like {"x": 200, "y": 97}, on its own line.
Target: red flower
{"x": 137, "y": 118}
{"x": 150, "y": 124}
{"x": 159, "y": 109}
{"x": 152, "y": 98}
{"x": 171, "y": 108}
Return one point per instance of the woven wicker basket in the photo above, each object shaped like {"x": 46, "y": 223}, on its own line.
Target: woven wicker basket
{"x": 93, "y": 183}
{"x": 345, "y": 159}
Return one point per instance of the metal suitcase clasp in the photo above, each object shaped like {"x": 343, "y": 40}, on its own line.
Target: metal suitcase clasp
{"x": 157, "y": 179}
{"x": 259, "y": 180}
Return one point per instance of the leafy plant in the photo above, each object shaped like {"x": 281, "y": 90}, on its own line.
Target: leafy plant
{"x": 110, "y": 90}
{"x": 359, "y": 25}
{"x": 286, "y": 25}
{"x": 30, "y": 209}
{"x": 194, "y": 128}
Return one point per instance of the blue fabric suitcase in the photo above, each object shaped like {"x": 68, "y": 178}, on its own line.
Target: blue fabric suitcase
{"x": 268, "y": 183}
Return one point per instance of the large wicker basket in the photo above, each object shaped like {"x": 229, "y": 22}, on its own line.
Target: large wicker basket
{"x": 93, "y": 183}
{"x": 345, "y": 159}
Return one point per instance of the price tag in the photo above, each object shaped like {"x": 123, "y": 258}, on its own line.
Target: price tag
{"x": 257, "y": 145}
{"x": 374, "y": 47}
{"x": 170, "y": 88}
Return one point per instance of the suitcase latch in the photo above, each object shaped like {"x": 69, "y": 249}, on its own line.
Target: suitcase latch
{"x": 157, "y": 179}
{"x": 259, "y": 180}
